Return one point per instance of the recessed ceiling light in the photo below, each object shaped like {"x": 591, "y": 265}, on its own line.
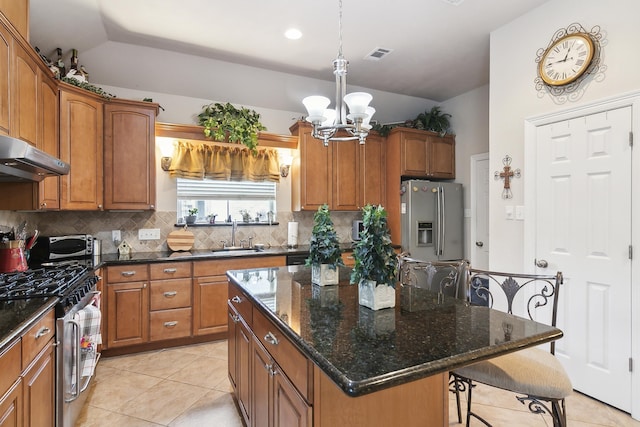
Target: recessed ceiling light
{"x": 293, "y": 34}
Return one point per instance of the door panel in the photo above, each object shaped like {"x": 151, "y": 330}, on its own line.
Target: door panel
{"x": 583, "y": 214}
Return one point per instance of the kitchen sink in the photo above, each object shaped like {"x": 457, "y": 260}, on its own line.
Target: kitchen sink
{"x": 235, "y": 251}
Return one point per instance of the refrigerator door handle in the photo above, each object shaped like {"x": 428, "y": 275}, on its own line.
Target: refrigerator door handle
{"x": 442, "y": 220}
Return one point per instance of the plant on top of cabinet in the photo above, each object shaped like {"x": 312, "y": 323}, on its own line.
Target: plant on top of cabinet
{"x": 224, "y": 122}
{"x": 376, "y": 264}
{"x": 325, "y": 255}
{"x": 433, "y": 120}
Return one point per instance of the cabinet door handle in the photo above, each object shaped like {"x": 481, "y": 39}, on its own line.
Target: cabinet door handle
{"x": 170, "y": 270}
{"x": 271, "y": 339}
{"x": 170, "y": 294}
{"x": 235, "y": 318}
{"x": 236, "y": 299}
{"x": 42, "y": 332}
{"x": 128, "y": 273}
{"x": 170, "y": 324}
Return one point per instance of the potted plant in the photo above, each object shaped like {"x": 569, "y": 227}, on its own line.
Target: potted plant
{"x": 325, "y": 255}
{"x": 191, "y": 218}
{"x": 212, "y": 218}
{"x": 224, "y": 122}
{"x": 246, "y": 216}
{"x": 434, "y": 120}
{"x": 376, "y": 264}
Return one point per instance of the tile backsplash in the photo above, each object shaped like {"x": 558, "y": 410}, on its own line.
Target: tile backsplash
{"x": 100, "y": 225}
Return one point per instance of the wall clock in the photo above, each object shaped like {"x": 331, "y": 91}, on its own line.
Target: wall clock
{"x": 572, "y": 54}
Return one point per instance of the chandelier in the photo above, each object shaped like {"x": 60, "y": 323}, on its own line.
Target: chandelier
{"x": 328, "y": 122}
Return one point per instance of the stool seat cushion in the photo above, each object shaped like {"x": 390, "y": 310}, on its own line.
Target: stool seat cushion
{"x": 531, "y": 371}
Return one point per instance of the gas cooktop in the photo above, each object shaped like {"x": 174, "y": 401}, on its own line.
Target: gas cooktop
{"x": 41, "y": 282}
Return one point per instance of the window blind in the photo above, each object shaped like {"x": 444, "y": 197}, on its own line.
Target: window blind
{"x": 208, "y": 189}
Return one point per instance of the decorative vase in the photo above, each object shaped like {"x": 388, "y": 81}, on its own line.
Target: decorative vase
{"x": 190, "y": 219}
{"x": 324, "y": 274}
{"x": 376, "y": 296}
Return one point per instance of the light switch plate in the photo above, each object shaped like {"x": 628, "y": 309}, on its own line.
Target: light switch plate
{"x": 519, "y": 213}
{"x": 508, "y": 212}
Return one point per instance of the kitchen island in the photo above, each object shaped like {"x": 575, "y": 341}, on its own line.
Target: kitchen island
{"x": 300, "y": 354}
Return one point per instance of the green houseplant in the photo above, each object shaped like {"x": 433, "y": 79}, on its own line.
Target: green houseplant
{"x": 376, "y": 264}
{"x": 224, "y": 122}
{"x": 191, "y": 218}
{"x": 434, "y": 120}
{"x": 325, "y": 255}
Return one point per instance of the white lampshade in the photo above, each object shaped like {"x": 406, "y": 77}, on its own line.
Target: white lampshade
{"x": 358, "y": 103}
{"x": 329, "y": 116}
{"x": 316, "y": 106}
{"x": 365, "y": 121}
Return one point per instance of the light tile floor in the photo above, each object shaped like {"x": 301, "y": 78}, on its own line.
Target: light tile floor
{"x": 188, "y": 387}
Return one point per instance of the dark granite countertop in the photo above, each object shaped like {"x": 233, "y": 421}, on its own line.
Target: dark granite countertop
{"x": 147, "y": 257}
{"x": 17, "y": 316}
{"x": 362, "y": 350}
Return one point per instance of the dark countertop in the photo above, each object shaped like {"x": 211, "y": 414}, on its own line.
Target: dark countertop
{"x": 146, "y": 257}
{"x": 17, "y": 316}
{"x": 362, "y": 350}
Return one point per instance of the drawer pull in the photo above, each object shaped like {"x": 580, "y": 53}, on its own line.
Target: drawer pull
{"x": 271, "y": 339}
{"x": 170, "y": 294}
{"x": 170, "y": 324}
{"x": 170, "y": 270}
{"x": 235, "y": 318}
{"x": 42, "y": 332}
{"x": 128, "y": 273}
{"x": 236, "y": 299}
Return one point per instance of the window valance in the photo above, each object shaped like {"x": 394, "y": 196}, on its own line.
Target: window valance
{"x": 198, "y": 160}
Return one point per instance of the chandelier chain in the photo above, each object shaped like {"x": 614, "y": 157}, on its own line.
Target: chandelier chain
{"x": 339, "y": 28}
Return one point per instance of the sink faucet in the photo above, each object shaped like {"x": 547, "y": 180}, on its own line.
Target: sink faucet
{"x": 234, "y": 228}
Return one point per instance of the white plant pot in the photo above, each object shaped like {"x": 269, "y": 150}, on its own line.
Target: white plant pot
{"x": 324, "y": 274}
{"x": 375, "y": 296}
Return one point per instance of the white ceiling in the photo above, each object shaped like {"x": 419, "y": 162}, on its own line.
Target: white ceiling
{"x": 439, "y": 50}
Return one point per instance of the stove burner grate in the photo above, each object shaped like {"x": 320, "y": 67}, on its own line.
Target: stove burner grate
{"x": 40, "y": 282}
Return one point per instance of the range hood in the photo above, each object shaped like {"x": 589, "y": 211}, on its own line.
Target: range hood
{"x": 20, "y": 161}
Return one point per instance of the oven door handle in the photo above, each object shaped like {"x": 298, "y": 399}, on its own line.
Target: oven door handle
{"x": 75, "y": 352}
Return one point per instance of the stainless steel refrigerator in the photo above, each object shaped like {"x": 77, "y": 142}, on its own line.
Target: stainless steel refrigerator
{"x": 432, "y": 220}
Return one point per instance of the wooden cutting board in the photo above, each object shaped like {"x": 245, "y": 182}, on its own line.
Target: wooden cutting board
{"x": 180, "y": 240}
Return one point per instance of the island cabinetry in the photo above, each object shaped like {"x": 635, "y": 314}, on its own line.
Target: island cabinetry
{"x": 129, "y": 155}
{"x": 239, "y": 347}
{"x": 210, "y": 289}
{"x": 127, "y": 305}
{"x": 345, "y": 175}
{"x": 27, "y": 383}
{"x": 81, "y": 145}
{"x": 170, "y": 300}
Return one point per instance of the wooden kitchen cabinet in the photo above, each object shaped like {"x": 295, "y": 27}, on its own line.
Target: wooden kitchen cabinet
{"x": 210, "y": 289}
{"x": 345, "y": 175}
{"x": 170, "y": 300}
{"x": 6, "y": 76}
{"x": 127, "y": 305}
{"x": 25, "y": 123}
{"x": 420, "y": 154}
{"x": 81, "y": 145}
{"x": 129, "y": 155}
{"x": 38, "y": 389}
{"x": 271, "y": 384}
{"x": 27, "y": 383}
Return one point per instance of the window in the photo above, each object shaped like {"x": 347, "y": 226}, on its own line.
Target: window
{"x": 226, "y": 199}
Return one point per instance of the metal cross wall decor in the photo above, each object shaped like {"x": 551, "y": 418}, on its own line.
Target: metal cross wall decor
{"x": 507, "y": 174}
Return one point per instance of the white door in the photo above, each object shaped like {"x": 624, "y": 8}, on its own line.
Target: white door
{"x": 479, "y": 241}
{"x": 583, "y": 228}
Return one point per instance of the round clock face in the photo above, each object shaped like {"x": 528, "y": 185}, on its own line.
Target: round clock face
{"x": 566, "y": 59}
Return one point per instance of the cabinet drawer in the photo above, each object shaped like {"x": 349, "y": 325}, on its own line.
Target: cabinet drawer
{"x": 127, "y": 273}
{"x": 240, "y": 302}
{"x": 36, "y": 337}
{"x": 170, "y": 270}
{"x": 292, "y": 362}
{"x": 10, "y": 367}
{"x": 168, "y": 324}
{"x": 220, "y": 266}
{"x": 166, "y": 294}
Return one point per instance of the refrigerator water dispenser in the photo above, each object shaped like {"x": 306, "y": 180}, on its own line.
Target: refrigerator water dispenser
{"x": 425, "y": 234}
